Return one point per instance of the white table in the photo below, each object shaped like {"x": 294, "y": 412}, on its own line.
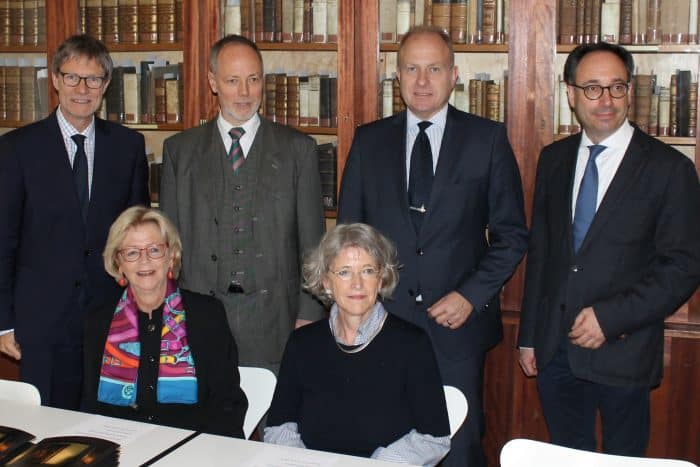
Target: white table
{"x": 206, "y": 450}
{"x": 45, "y": 422}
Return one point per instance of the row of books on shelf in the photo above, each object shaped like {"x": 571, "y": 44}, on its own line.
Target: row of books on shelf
{"x": 301, "y": 100}
{"x": 628, "y": 21}
{"x": 466, "y": 21}
{"x": 481, "y": 96}
{"x": 282, "y": 20}
{"x": 149, "y": 94}
{"x": 132, "y": 21}
{"x": 327, "y": 164}
{"x": 22, "y": 22}
{"x": 23, "y": 89}
{"x": 669, "y": 110}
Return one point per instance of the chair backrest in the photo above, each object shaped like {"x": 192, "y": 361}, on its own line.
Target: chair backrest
{"x": 258, "y": 384}
{"x": 529, "y": 453}
{"x": 17, "y": 391}
{"x": 457, "y": 408}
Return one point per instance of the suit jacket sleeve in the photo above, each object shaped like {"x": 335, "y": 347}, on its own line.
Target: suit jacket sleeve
{"x": 310, "y": 220}
{"x": 11, "y": 202}
{"x": 139, "y": 193}
{"x": 675, "y": 270}
{"x": 536, "y": 254}
{"x": 350, "y": 202}
{"x": 507, "y": 230}
{"x": 167, "y": 198}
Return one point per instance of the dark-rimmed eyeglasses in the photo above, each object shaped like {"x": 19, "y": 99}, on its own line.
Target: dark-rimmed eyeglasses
{"x": 595, "y": 91}
{"x": 131, "y": 254}
{"x": 73, "y": 79}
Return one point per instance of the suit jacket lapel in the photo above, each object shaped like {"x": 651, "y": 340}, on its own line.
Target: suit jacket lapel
{"x": 565, "y": 187}
{"x": 58, "y": 164}
{"x": 632, "y": 164}
{"x": 264, "y": 153}
{"x": 451, "y": 149}
{"x": 396, "y": 177}
{"x": 210, "y": 176}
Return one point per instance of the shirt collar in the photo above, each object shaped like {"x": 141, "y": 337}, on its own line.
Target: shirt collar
{"x": 68, "y": 130}
{"x": 439, "y": 119}
{"x": 618, "y": 140}
{"x": 367, "y": 329}
{"x": 250, "y": 126}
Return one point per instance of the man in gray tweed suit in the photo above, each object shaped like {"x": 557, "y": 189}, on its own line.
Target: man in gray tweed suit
{"x": 245, "y": 195}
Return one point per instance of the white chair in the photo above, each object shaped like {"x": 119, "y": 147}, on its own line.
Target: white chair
{"x": 258, "y": 384}
{"x": 529, "y": 453}
{"x": 17, "y": 391}
{"x": 457, "y": 408}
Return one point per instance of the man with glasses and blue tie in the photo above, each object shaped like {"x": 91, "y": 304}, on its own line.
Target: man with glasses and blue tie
{"x": 614, "y": 249}
{"x": 63, "y": 181}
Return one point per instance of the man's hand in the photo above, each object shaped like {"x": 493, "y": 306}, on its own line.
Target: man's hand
{"x": 528, "y": 362}
{"x": 301, "y": 322}
{"x": 586, "y": 331}
{"x": 451, "y": 311}
{"x": 9, "y": 346}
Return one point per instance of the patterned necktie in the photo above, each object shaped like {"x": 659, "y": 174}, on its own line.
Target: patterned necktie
{"x": 587, "y": 197}
{"x": 420, "y": 179}
{"x": 80, "y": 174}
{"x": 235, "y": 154}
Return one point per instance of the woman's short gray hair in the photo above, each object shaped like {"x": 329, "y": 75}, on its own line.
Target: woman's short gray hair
{"x": 318, "y": 262}
{"x": 135, "y": 216}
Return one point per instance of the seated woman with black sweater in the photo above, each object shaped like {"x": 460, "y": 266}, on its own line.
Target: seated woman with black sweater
{"x": 365, "y": 382}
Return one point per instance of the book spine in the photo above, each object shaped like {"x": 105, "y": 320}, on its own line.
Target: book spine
{"x": 16, "y": 22}
{"x": 131, "y": 97}
{"x": 682, "y": 102}
{"x": 110, "y": 21}
{"x": 129, "y": 21}
{"x": 320, "y": 16}
{"x": 654, "y": 113}
{"x": 567, "y": 21}
{"x": 441, "y": 15}
{"x": 270, "y": 96}
{"x": 387, "y": 20}
{"x": 324, "y": 109}
{"x": 293, "y": 100}
{"x": 610, "y": 22}
{"x": 564, "y": 110}
{"x": 403, "y": 18}
{"x": 148, "y": 21}
{"x": 626, "y": 21}
{"x": 653, "y": 22}
{"x": 664, "y": 111}
{"x": 692, "y": 109}
{"x": 332, "y": 21}
{"x": 172, "y": 100}
{"x": 166, "y": 21}
{"x": 314, "y": 99}
{"x": 387, "y": 97}
{"x": 281, "y": 98}
{"x": 31, "y": 22}
{"x": 287, "y": 20}
{"x": 93, "y": 19}
{"x": 458, "y": 21}
{"x": 673, "y": 106}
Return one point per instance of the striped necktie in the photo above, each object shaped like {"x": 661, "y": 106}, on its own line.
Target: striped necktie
{"x": 235, "y": 154}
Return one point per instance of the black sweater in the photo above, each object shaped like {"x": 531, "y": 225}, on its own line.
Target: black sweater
{"x": 354, "y": 403}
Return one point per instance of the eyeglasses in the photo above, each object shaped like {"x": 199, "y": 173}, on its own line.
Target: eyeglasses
{"x": 365, "y": 273}
{"x": 155, "y": 251}
{"x": 595, "y": 91}
{"x": 72, "y": 80}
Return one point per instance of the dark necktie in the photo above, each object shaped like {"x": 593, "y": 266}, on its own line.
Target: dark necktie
{"x": 420, "y": 180}
{"x": 80, "y": 174}
{"x": 235, "y": 154}
{"x": 587, "y": 197}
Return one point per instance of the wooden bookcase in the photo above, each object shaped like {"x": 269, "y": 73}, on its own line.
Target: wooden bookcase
{"x": 533, "y": 63}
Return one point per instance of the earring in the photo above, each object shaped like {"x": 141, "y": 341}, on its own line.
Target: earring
{"x": 170, "y": 274}
{"x": 328, "y": 292}
{"x": 122, "y": 281}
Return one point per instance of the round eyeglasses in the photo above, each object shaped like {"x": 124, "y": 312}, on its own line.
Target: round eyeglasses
{"x": 365, "y": 273}
{"x": 155, "y": 251}
{"x": 73, "y": 79}
{"x": 595, "y": 91}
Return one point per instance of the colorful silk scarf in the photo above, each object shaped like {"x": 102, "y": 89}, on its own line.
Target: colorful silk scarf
{"x": 177, "y": 381}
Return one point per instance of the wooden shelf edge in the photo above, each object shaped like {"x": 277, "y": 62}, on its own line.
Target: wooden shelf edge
{"x": 155, "y": 126}
{"x": 330, "y": 213}
{"x": 459, "y": 48}
{"x": 644, "y": 48}
{"x": 37, "y": 49}
{"x": 671, "y": 140}
{"x": 317, "y": 130}
{"x": 151, "y": 47}
{"x": 298, "y": 46}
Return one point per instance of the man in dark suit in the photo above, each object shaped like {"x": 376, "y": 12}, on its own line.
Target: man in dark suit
{"x": 614, "y": 249}
{"x": 245, "y": 194}
{"x": 63, "y": 181}
{"x": 438, "y": 214}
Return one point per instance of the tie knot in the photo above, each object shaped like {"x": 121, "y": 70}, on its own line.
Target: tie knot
{"x": 236, "y": 133}
{"x": 595, "y": 150}
{"x": 422, "y": 126}
{"x": 78, "y": 139}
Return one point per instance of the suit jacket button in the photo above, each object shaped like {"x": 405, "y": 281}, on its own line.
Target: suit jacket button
{"x": 575, "y": 268}
{"x": 213, "y": 257}
{"x": 77, "y": 284}
{"x": 88, "y": 252}
{"x": 419, "y": 251}
{"x": 236, "y": 208}
{"x": 411, "y": 293}
{"x": 212, "y": 293}
{"x": 239, "y": 187}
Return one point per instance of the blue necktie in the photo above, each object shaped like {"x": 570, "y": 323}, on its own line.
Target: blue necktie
{"x": 80, "y": 174}
{"x": 587, "y": 197}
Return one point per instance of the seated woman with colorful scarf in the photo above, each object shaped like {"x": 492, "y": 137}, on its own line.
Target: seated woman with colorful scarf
{"x": 159, "y": 354}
